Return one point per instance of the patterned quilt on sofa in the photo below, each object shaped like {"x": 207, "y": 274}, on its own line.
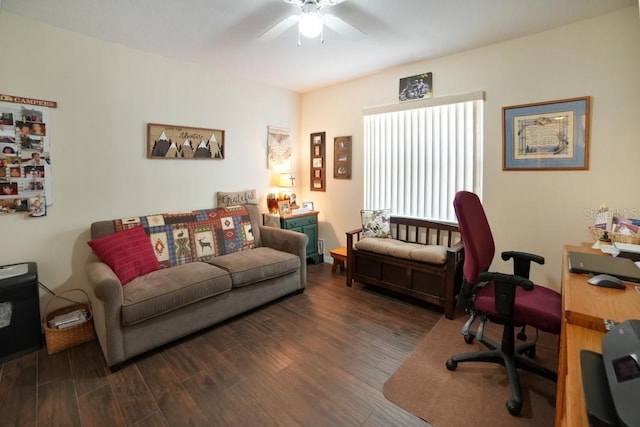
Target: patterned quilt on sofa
{"x": 180, "y": 238}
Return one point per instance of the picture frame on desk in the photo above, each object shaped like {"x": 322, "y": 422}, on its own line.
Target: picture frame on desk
{"x": 307, "y": 205}
{"x": 284, "y": 208}
{"x": 552, "y": 135}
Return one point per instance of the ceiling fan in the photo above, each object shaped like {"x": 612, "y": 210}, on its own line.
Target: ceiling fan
{"x": 311, "y": 22}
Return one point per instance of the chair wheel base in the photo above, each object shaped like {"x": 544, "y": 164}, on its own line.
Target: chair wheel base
{"x": 514, "y": 407}
{"x": 530, "y": 352}
{"x": 469, "y": 338}
{"x": 451, "y": 365}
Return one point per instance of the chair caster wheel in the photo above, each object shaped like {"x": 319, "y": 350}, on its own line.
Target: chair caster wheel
{"x": 469, "y": 338}
{"x": 514, "y": 407}
{"x": 451, "y": 364}
{"x": 530, "y": 352}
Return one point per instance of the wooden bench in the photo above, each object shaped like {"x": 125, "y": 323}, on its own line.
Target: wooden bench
{"x": 433, "y": 283}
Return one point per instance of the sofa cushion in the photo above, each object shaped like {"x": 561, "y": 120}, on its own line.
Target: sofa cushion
{"x": 165, "y": 290}
{"x": 376, "y": 223}
{"x": 128, "y": 253}
{"x": 257, "y": 265}
{"x": 432, "y": 254}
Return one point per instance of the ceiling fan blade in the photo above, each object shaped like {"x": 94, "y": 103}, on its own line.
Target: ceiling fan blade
{"x": 279, "y": 28}
{"x": 343, "y": 28}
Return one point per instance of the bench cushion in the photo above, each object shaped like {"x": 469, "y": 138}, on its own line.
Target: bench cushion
{"x": 256, "y": 265}
{"x": 432, "y": 254}
{"x": 165, "y": 290}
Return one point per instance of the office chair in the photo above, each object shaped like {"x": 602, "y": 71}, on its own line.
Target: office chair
{"x": 507, "y": 299}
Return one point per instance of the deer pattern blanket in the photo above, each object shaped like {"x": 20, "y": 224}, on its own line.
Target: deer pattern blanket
{"x": 180, "y": 238}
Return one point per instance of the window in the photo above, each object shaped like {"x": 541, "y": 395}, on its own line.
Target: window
{"x": 419, "y": 154}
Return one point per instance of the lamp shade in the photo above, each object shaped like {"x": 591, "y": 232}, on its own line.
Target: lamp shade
{"x": 310, "y": 24}
{"x": 285, "y": 180}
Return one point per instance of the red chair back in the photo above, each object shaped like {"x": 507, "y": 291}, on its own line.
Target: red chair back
{"x": 479, "y": 247}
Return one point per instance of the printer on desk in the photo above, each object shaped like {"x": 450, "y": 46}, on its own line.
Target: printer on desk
{"x": 611, "y": 380}
{"x": 628, "y": 250}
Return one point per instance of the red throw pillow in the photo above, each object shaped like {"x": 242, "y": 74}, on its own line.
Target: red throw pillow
{"x": 128, "y": 252}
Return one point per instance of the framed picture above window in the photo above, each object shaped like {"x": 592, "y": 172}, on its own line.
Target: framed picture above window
{"x": 416, "y": 87}
{"x": 317, "y": 152}
{"x": 551, "y": 135}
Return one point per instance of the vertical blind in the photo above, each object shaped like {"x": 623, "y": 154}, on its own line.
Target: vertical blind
{"x": 417, "y": 159}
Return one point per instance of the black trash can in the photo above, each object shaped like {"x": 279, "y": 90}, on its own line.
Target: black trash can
{"x": 20, "y": 330}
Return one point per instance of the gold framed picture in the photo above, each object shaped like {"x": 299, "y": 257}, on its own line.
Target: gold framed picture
{"x": 284, "y": 208}
{"x": 551, "y": 135}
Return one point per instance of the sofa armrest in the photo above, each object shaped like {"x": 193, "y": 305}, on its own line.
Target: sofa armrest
{"x": 288, "y": 241}
{"x": 105, "y": 291}
{"x": 104, "y": 283}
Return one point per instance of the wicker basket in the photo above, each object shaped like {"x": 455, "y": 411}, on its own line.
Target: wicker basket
{"x": 597, "y": 233}
{"x": 61, "y": 339}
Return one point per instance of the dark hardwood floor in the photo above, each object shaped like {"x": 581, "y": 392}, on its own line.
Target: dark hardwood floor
{"x": 315, "y": 359}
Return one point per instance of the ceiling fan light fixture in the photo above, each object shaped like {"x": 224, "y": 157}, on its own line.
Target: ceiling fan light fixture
{"x": 310, "y": 24}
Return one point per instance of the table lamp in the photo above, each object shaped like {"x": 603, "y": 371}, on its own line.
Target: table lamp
{"x": 286, "y": 181}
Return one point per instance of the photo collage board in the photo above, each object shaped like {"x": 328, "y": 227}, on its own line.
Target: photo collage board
{"x": 25, "y": 161}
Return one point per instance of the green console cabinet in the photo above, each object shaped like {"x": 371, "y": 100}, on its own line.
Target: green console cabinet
{"x": 306, "y": 223}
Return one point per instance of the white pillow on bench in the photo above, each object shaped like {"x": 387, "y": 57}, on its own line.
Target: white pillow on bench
{"x": 432, "y": 254}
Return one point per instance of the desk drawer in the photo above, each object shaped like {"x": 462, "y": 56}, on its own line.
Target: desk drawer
{"x": 299, "y": 222}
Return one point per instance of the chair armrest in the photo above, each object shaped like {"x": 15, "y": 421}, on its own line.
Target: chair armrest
{"x": 508, "y": 279}
{"x": 504, "y": 286}
{"x": 522, "y": 261}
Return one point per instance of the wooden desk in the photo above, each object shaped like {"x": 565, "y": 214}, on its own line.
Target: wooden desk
{"x": 585, "y": 307}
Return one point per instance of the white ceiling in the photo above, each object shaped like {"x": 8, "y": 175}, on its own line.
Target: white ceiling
{"x": 222, "y": 34}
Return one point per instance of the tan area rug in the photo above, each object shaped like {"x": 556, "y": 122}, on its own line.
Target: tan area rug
{"x": 475, "y": 393}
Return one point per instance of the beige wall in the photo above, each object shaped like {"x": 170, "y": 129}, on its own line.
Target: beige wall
{"x": 531, "y": 211}
{"x": 106, "y": 95}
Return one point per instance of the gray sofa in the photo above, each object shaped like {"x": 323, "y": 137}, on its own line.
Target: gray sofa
{"x": 193, "y": 289}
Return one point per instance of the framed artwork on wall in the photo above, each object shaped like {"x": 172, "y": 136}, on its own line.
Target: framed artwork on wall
{"x": 183, "y": 142}
{"x": 551, "y": 135}
{"x": 416, "y": 87}
{"x": 279, "y": 149}
{"x": 342, "y": 157}
{"x": 317, "y": 152}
